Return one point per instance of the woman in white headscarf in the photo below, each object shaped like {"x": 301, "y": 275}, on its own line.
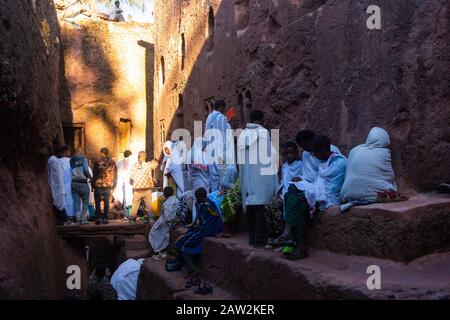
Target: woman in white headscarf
{"x": 369, "y": 169}
{"x": 172, "y": 166}
{"x": 197, "y": 166}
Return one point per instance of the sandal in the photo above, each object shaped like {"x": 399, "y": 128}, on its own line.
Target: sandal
{"x": 297, "y": 255}
{"x": 277, "y": 242}
{"x": 205, "y": 289}
{"x": 193, "y": 281}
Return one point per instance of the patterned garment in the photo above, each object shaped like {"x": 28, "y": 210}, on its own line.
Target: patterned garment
{"x": 274, "y": 218}
{"x": 142, "y": 176}
{"x": 185, "y": 205}
{"x": 232, "y": 203}
{"x": 105, "y": 174}
{"x": 207, "y": 224}
{"x": 102, "y": 285}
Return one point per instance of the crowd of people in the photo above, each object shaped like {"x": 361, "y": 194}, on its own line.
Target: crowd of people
{"x": 314, "y": 176}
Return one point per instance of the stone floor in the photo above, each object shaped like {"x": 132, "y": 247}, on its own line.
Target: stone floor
{"x": 238, "y": 270}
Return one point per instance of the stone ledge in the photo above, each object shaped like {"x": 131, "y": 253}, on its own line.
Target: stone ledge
{"x": 155, "y": 283}
{"x": 263, "y": 274}
{"x": 93, "y": 230}
{"x": 400, "y": 231}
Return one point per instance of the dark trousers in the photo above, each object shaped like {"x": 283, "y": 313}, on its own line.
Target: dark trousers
{"x": 256, "y": 225}
{"x": 61, "y": 216}
{"x": 102, "y": 195}
{"x": 297, "y": 214}
{"x": 190, "y": 262}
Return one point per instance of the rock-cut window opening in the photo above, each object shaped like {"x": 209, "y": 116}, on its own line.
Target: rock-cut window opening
{"x": 211, "y": 27}
{"x": 163, "y": 71}
{"x": 183, "y": 51}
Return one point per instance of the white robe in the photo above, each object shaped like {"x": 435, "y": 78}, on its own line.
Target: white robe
{"x": 288, "y": 172}
{"x": 174, "y": 165}
{"x": 311, "y": 164}
{"x": 326, "y": 188}
{"x": 125, "y": 279}
{"x": 369, "y": 169}
{"x": 124, "y": 191}
{"x": 197, "y": 166}
{"x": 259, "y": 180}
{"x": 220, "y": 146}
{"x": 160, "y": 233}
{"x": 68, "y": 198}
{"x": 56, "y": 182}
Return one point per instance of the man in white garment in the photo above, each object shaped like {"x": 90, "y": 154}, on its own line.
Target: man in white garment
{"x": 258, "y": 179}
{"x": 67, "y": 177}
{"x": 56, "y": 182}
{"x": 310, "y": 168}
{"x": 125, "y": 279}
{"x": 220, "y": 147}
{"x": 124, "y": 190}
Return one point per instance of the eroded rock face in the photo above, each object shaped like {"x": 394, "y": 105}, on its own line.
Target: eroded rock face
{"x": 31, "y": 263}
{"x": 315, "y": 64}
{"x": 107, "y": 84}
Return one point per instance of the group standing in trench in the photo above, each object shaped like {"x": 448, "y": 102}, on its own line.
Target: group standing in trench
{"x": 205, "y": 195}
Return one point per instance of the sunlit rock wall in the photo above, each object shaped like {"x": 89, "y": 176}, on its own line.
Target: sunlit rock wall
{"x": 315, "y": 64}
{"x": 107, "y": 76}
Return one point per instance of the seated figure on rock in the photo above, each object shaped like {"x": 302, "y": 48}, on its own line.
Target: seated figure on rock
{"x": 159, "y": 236}
{"x": 304, "y": 198}
{"x": 369, "y": 177}
{"x": 208, "y": 223}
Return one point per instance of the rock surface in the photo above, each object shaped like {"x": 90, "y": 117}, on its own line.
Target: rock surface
{"x": 33, "y": 262}
{"x": 107, "y": 84}
{"x": 400, "y": 231}
{"x": 263, "y": 274}
{"x": 315, "y": 64}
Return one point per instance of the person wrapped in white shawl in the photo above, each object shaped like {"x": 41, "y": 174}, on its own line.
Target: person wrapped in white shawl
{"x": 219, "y": 141}
{"x": 303, "y": 197}
{"x": 160, "y": 233}
{"x": 259, "y": 165}
{"x": 198, "y": 166}
{"x": 369, "y": 170}
{"x": 173, "y": 166}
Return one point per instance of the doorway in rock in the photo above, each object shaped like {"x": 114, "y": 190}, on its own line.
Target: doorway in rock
{"x": 124, "y": 135}
{"x": 74, "y": 138}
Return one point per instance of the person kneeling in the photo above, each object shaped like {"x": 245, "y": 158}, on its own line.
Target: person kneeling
{"x": 208, "y": 223}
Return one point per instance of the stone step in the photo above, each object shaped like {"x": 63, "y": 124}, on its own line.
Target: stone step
{"x": 137, "y": 244}
{"x": 138, "y": 254}
{"x": 155, "y": 283}
{"x": 264, "y": 274}
{"x": 400, "y": 231}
